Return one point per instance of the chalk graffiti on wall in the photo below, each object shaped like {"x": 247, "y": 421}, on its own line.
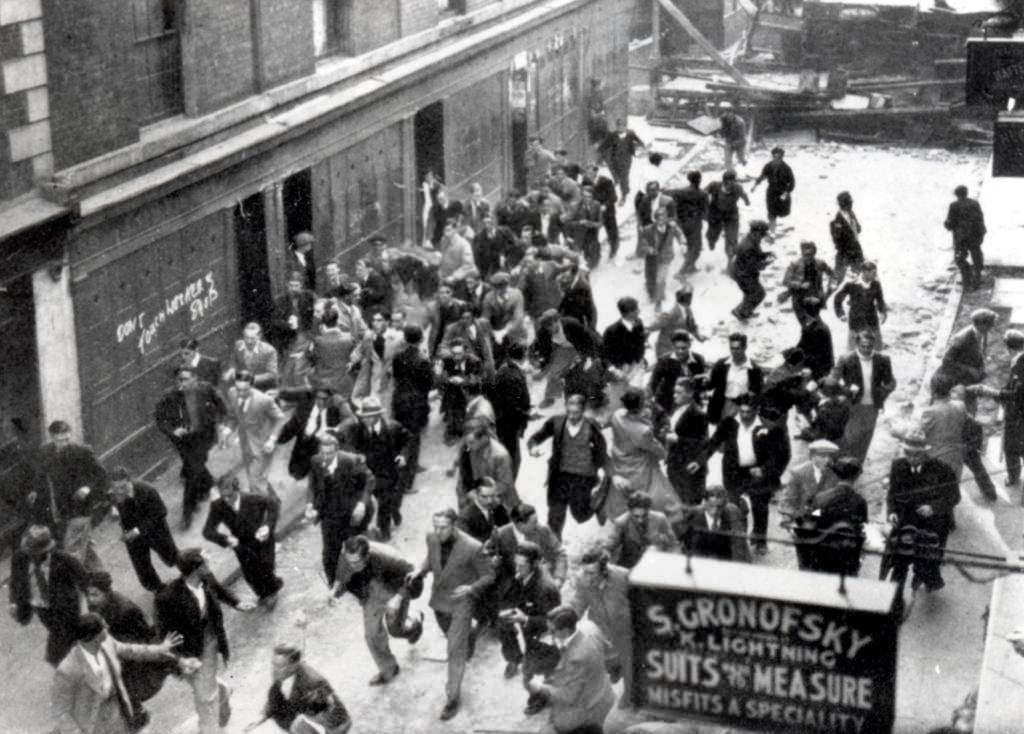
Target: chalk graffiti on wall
{"x": 196, "y": 298}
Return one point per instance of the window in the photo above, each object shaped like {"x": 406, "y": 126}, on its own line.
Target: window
{"x": 157, "y": 59}
{"x": 332, "y": 27}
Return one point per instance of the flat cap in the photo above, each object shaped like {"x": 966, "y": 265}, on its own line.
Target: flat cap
{"x": 500, "y": 278}
{"x": 759, "y": 225}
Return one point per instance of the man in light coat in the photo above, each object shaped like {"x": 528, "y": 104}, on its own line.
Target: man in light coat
{"x": 88, "y": 694}
{"x": 810, "y": 478}
{"x": 258, "y": 421}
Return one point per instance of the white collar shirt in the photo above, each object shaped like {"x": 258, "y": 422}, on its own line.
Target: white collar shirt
{"x": 737, "y": 380}
{"x": 200, "y": 596}
{"x": 745, "y": 443}
{"x": 867, "y": 368}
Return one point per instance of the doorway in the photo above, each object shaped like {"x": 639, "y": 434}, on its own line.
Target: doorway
{"x": 255, "y": 299}
{"x": 297, "y": 196}
{"x": 428, "y": 142}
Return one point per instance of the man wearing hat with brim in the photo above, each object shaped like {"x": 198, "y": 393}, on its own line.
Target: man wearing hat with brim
{"x": 746, "y": 267}
{"x": 923, "y": 492}
{"x": 383, "y": 443}
{"x": 811, "y": 478}
{"x": 47, "y": 583}
{"x": 964, "y": 360}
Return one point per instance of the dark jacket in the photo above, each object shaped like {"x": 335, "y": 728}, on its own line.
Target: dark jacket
{"x": 695, "y": 535}
{"x": 848, "y": 372}
{"x": 966, "y": 221}
{"x": 623, "y": 346}
{"x": 771, "y": 453}
{"x": 336, "y": 494}
{"x": 384, "y": 566}
{"x": 538, "y": 596}
{"x": 717, "y": 385}
{"x": 935, "y": 485}
{"x": 66, "y": 582}
{"x": 578, "y": 303}
{"x": 207, "y": 369}
{"x": 413, "y": 380}
{"x": 178, "y": 611}
{"x": 509, "y": 393}
{"x": 125, "y": 620}
{"x": 144, "y": 510}
{"x": 1012, "y": 398}
{"x": 866, "y": 302}
{"x": 374, "y": 295}
{"x": 64, "y": 471}
{"x": 171, "y": 413}
{"x": 691, "y": 206}
{"x": 380, "y": 451}
{"x": 846, "y": 238}
{"x": 691, "y": 440}
{"x": 306, "y": 447}
{"x": 312, "y": 696}
{"x": 488, "y": 250}
{"x": 254, "y": 511}
{"x": 964, "y": 360}
{"x": 816, "y": 344}
{"x": 477, "y": 525}
{"x": 667, "y": 370}
{"x": 554, "y": 428}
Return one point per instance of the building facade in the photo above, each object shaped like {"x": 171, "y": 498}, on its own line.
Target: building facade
{"x": 158, "y": 156}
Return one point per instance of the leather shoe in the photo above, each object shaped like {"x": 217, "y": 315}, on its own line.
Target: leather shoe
{"x": 382, "y": 679}
{"x": 534, "y": 706}
{"x": 512, "y": 670}
{"x": 451, "y": 707}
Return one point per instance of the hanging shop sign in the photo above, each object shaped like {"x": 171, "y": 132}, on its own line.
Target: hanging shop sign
{"x": 763, "y": 649}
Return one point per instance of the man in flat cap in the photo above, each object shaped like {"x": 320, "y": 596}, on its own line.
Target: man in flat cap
{"x": 505, "y": 309}
{"x": 964, "y": 360}
{"x": 811, "y": 478}
{"x": 746, "y": 269}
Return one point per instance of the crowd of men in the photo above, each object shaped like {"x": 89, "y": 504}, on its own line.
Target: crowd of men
{"x": 345, "y": 369}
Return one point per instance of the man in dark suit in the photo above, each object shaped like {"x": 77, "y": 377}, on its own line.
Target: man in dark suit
{"x": 967, "y": 223}
{"x": 686, "y": 440}
{"x": 383, "y": 443}
{"x": 525, "y": 603}
{"x": 716, "y": 528}
{"x": 964, "y": 360}
{"x": 845, "y": 230}
{"x": 483, "y": 514}
{"x": 188, "y": 414}
{"x": 340, "y": 491}
{"x": 246, "y": 523}
{"x": 376, "y": 574}
{"x": 207, "y": 369}
{"x": 441, "y": 313}
{"x": 477, "y": 336}
{"x": 472, "y": 290}
{"x": 475, "y": 208}
{"x": 579, "y": 456}
{"x": 143, "y": 517}
{"x": 47, "y": 583}
{"x": 410, "y": 401}
{"x": 578, "y": 299}
{"x": 525, "y": 525}
{"x": 315, "y": 413}
{"x": 691, "y": 205}
{"x": 300, "y": 699}
{"x": 681, "y": 362}
{"x": 374, "y": 289}
{"x": 293, "y": 312}
{"x": 509, "y": 393}
{"x": 867, "y": 395}
{"x": 190, "y": 606}
{"x": 300, "y": 258}
{"x": 754, "y": 456}
{"x": 923, "y": 492}
{"x": 459, "y": 370}
{"x": 491, "y": 246}
{"x": 584, "y": 222}
{"x": 461, "y": 574}
{"x": 731, "y": 377}
{"x": 74, "y": 490}
{"x": 617, "y": 150}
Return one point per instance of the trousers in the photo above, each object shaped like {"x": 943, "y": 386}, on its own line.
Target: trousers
{"x": 374, "y": 631}
{"x": 458, "y": 628}
{"x": 257, "y": 561}
{"x": 194, "y": 451}
{"x": 568, "y": 491}
{"x": 753, "y": 294}
{"x": 140, "y": 553}
{"x": 206, "y": 688}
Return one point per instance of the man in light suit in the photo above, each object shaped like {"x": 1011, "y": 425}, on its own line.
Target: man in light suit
{"x": 461, "y": 575}
{"x": 868, "y": 377}
{"x": 258, "y": 420}
{"x": 89, "y": 694}
{"x": 601, "y": 590}
{"x": 255, "y": 356}
{"x": 578, "y": 689}
{"x": 810, "y": 478}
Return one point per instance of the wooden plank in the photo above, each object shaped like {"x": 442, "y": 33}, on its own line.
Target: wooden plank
{"x": 701, "y": 40}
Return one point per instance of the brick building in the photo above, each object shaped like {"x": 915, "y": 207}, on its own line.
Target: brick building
{"x": 156, "y": 156}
